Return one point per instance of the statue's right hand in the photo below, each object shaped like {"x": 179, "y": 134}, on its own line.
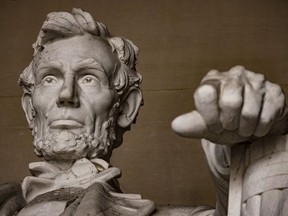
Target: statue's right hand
{"x": 11, "y": 198}
{"x": 233, "y": 107}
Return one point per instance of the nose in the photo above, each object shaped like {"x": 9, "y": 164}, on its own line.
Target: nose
{"x": 68, "y": 95}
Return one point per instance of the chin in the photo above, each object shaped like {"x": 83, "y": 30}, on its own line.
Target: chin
{"x": 65, "y": 145}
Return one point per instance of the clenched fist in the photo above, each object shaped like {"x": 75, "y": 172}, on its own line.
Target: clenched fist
{"x": 233, "y": 107}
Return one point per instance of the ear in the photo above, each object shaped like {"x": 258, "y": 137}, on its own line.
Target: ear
{"x": 28, "y": 109}
{"x": 129, "y": 108}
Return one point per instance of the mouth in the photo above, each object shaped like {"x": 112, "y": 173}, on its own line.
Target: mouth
{"x": 65, "y": 124}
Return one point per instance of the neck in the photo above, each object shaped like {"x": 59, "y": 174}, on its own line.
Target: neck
{"x": 62, "y": 164}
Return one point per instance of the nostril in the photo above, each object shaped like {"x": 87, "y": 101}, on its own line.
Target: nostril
{"x": 72, "y": 103}
{"x": 61, "y": 103}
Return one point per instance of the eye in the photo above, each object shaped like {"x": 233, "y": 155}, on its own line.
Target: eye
{"x": 49, "y": 80}
{"x": 89, "y": 80}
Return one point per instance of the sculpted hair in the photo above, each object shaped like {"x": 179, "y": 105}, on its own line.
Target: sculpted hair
{"x": 62, "y": 25}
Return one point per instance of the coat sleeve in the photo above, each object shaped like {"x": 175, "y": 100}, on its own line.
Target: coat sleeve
{"x": 218, "y": 158}
{"x": 11, "y": 198}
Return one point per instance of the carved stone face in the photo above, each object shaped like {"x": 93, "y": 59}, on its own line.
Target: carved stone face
{"x": 73, "y": 97}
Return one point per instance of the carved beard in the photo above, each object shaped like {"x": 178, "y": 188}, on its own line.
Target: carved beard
{"x": 67, "y": 145}
{"x": 64, "y": 144}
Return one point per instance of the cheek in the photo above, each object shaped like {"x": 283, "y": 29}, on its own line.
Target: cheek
{"x": 43, "y": 100}
{"x": 101, "y": 102}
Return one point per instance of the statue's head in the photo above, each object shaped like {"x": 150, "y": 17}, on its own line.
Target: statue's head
{"x": 81, "y": 90}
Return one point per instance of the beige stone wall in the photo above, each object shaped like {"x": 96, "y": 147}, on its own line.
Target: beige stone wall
{"x": 179, "y": 41}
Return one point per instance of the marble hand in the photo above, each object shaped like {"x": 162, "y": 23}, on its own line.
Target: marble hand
{"x": 234, "y": 107}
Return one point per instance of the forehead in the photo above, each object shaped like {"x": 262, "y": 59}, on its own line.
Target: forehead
{"x": 76, "y": 49}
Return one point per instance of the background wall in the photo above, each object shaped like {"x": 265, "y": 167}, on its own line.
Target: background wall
{"x": 180, "y": 42}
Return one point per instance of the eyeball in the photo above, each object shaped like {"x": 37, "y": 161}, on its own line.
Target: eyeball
{"x": 49, "y": 80}
{"x": 89, "y": 80}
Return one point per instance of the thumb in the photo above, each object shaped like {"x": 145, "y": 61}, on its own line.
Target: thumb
{"x": 190, "y": 125}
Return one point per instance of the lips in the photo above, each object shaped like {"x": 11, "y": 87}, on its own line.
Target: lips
{"x": 65, "y": 124}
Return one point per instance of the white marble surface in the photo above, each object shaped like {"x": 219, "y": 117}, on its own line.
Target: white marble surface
{"x": 81, "y": 93}
{"x": 241, "y": 117}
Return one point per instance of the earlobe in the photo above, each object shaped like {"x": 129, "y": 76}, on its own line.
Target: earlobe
{"x": 28, "y": 109}
{"x": 130, "y": 107}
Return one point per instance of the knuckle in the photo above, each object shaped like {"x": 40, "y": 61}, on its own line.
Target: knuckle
{"x": 275, "y": 95}
{"x": 205, "y": 93}
{"x": 259, "y": 77}
{"x": 232, "y": 101}
{"x": 273, "y": 89}
{"x": 212, "y": 73}
{"x": 237, "y": 71}
{"x": 276, "y": 89}
{"x": 255, "y": 76}
{"x": 249, "y": 114}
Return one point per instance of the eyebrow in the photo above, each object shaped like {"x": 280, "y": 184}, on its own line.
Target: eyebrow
{"x": 46, "y": 64}
{"x": 87, "y": 63}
